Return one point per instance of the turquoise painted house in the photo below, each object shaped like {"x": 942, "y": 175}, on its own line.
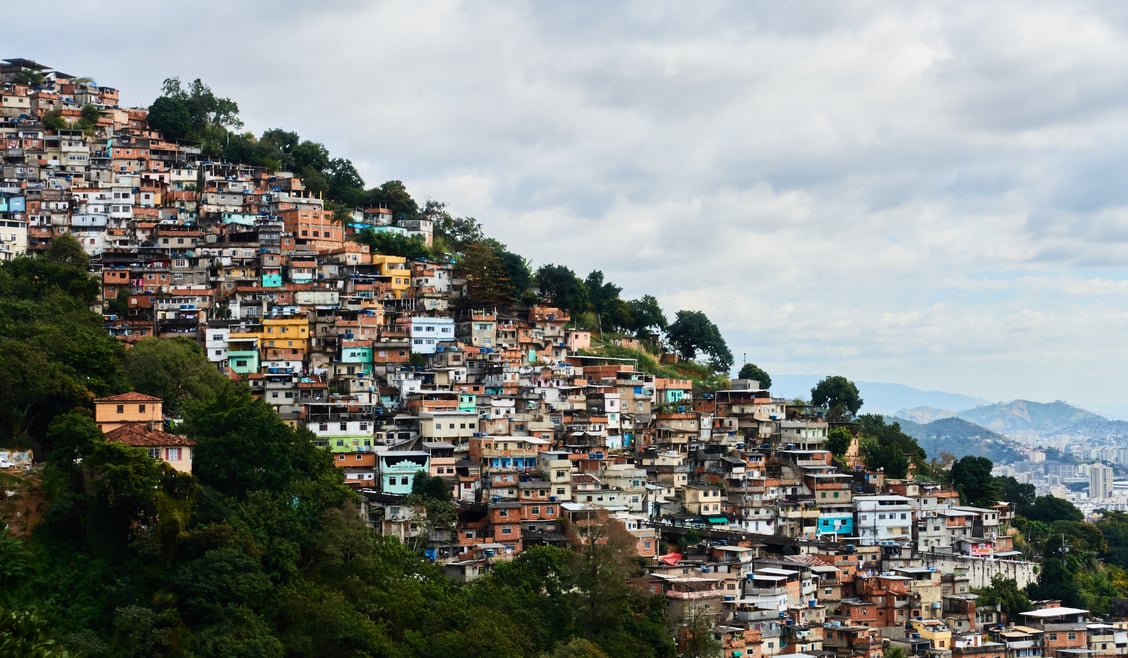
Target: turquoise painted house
{"x": 358, "y": 354}
{"x": 397, "y": 469}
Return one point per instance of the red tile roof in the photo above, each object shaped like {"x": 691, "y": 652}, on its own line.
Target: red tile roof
{"x": 132, "y": 396}
{"x": 138, "y": 434}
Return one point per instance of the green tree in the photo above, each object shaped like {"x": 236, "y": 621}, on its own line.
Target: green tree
{"x": 53, "y": 348}
{"x": 516, "y": 269}
{"x": 29, "y": 77}
{"x": 578, "y": 647}
{"x": 394, "y": 244}
{"x": 455, "y": 232}
{"x": 394, "y": 196}
{"x": 486, "y": 280}
{"x": 887, "y": 447}
{"x": 195, "y": 113}
{"x": 1051, "y": 508}
{"x": 88, "y": 118}
{"x": 692, "y": 332}
{"x": 26, "y": 634}
{"x": 1114, "y": 527}
{"x": 837, "y": 394}
{"x": 170, "y": 117}
{"x": 560, "y": 287}
{"x": 1004, "y": 593}
{"x": 649, "y": 320}
{"x": 838, "y": 441}
{"x": 204, "y": 107}
{"x": 605, "y": 301}
{"x": 53, "y": 120}
{"x": 71, "y": 435}
{"x": 753, "y": 371}
{"x": 66, "y": 250}
{"x": 345, "y": 183}
{"x": 233, "y": 425}
{"x": 14, "y": 565}
{"x": 605, "y": 559}
{"x": 173, "y": 369}
{"x": 431, "y": 487}
{"x": 1022, "y": 494}
{"x": 972, "y": 478}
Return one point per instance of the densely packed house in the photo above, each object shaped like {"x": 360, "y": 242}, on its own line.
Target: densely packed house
{"x": 731, "y": 496}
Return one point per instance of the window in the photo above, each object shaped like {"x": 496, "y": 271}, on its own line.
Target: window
{"x": 550, "y": 510}
{"x": 121, "y": 408}
{"x": 507, "y": 530}
{"x": 141, "y": 408}
{"x": 535, "y": 509}
{"x": 174, "y": 454}
{"x": 155, "y": 453}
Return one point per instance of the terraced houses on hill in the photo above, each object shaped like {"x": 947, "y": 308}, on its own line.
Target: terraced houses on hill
{"x": 730, "y": 495}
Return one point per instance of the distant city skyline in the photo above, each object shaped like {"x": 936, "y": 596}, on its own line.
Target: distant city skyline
{"x": 927, "y": 194}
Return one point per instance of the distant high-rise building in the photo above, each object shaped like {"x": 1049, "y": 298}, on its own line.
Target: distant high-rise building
{"x": 1100, "y": 481}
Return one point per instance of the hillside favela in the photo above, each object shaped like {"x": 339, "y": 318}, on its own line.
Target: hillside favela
{"x": 256, "y": 406}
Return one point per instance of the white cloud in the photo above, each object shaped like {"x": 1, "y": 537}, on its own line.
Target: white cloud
{"x": 923, "y": 193}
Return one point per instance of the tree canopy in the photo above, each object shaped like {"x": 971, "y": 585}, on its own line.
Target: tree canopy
{"x": 755, "y": 372}
{"x": 54, "y": 350}
{"x": 971, "y": 476}
{"x": 837, "y": 394}
{"x": 560, "y": 287}
{"x": 173, "y": 369}
{"x": 692, "y": 332}
{"x": 886, "y": 447}
{"x": 195, "y": 113}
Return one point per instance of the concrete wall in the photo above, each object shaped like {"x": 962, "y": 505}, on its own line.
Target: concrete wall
{"x": 981, "y": 570}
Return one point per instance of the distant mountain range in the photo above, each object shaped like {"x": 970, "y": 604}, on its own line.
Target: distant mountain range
{"x": 960, "y": 438}
{"x": 964, "y": 425}
{"x": 878, "y": 398}
{"x": 1022, "y": 418}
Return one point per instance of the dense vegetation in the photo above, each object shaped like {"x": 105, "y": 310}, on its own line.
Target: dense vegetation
{"x": 261, "y": 552}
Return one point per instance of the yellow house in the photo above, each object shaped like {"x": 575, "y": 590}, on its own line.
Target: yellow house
{"x": 396, "y": 272}
{"x": 117, "y": 410}
{"x": 935, "y": 631}
{"x": 286, "y": 333}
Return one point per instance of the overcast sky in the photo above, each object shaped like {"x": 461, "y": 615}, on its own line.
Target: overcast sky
{"x": 927, "y": 194}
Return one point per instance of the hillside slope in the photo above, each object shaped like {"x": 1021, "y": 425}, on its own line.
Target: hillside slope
{"x": 960, "y": 438}
{"x": 1026, "y": 420}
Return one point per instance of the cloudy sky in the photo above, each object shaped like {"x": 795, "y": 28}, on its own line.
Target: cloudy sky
{"x": 927, "y": 194}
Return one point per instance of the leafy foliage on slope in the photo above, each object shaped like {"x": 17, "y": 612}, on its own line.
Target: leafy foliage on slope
{"x": 261, "y": 552}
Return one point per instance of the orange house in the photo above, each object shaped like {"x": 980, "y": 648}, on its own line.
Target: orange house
{"x": 314, "y": 227}
{"x": 115, "y": 411}
{"x": 173, "y": 449}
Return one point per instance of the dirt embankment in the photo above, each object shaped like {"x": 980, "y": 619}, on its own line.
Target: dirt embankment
{"x": 22, "y": 500}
